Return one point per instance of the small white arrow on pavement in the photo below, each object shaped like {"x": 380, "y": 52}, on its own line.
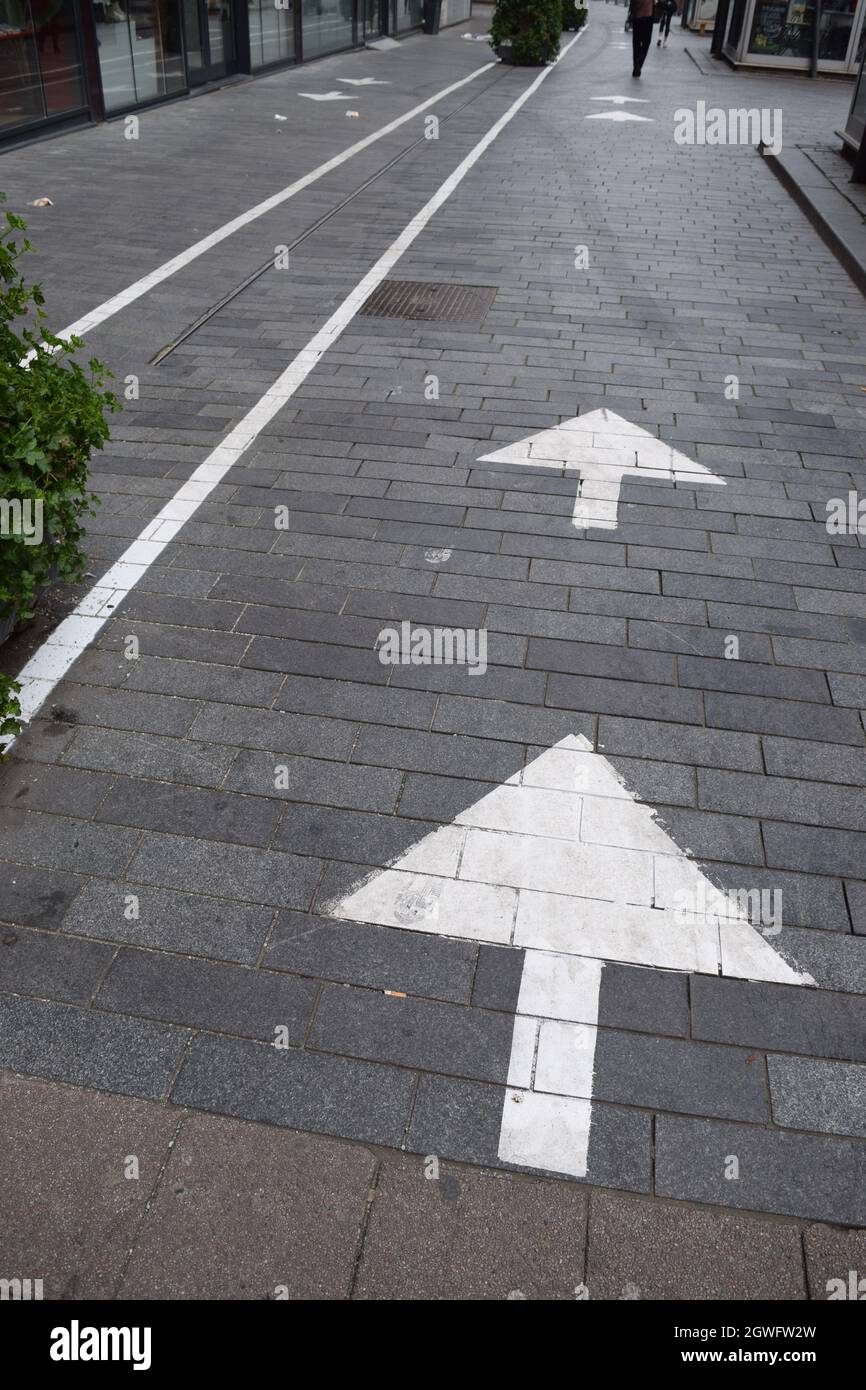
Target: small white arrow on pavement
{"x": 364, "y": 81}
{"x": 615, "y": 116}
{"x": 325, "y": 96}
{"x": 620, "y": 101}
{"x": 562, "y": 861}
{"x": 603, "y": 448}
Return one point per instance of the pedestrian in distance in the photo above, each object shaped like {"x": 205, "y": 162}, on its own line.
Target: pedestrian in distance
{"x": 640, "y": 12}
{"x": 665, "y": 11}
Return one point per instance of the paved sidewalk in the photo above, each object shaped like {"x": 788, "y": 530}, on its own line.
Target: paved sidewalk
{"x": 183, "y": 819}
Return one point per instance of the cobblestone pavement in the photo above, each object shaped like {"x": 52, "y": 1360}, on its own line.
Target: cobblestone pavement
{"x": 187, "y": 816}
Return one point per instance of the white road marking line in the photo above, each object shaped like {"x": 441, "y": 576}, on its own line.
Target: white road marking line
{"x": 50, "y": 663}
{"x": 155, "y": 277}
{"x": 620, "y": 101}
{"x": 603, "y": 448}
{"x": 591, "y": 877}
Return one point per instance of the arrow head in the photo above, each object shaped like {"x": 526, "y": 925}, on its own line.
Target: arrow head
{"x": 603, "y": 448}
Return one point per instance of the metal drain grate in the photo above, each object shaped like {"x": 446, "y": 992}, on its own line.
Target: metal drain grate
{"x": 423, "y": 299}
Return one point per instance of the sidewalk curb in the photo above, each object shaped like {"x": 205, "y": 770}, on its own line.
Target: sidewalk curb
{"x": 835, "y": 220}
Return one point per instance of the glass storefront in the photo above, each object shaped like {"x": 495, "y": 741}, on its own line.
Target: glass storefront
{"x": 140, "y": 51}
{"x": 104, "y": 57}
{"x": 326, "y": 25}
{"x": 780, "y": 33}
{"x": 408, "y": 14}
{"x": 41, "y": 68}
{"x": 272, "y": 33}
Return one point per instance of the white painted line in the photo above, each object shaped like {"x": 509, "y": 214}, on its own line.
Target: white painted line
{"x": 53, "y": 659}
{"x": 603, "y": 448}
{"x": 325, "y": 96}
{"x": 620, "y": 101}
{"x": 364, "y": 81}
{"x": 588, "y": 877}
{"x": 163, "y": 272}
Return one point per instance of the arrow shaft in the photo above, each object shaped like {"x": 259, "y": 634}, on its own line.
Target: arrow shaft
{"x": 547, "y": 1111}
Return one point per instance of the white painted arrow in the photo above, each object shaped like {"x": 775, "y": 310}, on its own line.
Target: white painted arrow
{"x": 325, "y": 96}
{"x": 615, "y": 116}
{"x": 364, "y": 81}
{"x": 604, "y": 449}
{"x": 620, "y": 101}
{"x": 563, "y": 861}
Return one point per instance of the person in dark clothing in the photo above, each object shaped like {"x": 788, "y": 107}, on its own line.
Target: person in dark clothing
{"x": 666, "y": 11}
{"x": 641, "y": 16}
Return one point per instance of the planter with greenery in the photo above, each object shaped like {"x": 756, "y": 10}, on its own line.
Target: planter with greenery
{"x": 52, "y": 417}
{"x": 526, "y": 32}
{"x": 574, "y": 14}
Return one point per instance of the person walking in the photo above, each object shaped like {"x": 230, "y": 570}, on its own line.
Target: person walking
{"x": 666, "y": 11}
{"x": 640, "y": 12}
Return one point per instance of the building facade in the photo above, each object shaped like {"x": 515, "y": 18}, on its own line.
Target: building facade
{"x": 72, "y": 60}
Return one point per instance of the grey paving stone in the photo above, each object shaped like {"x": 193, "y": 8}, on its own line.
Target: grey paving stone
{"x": 782, "y": 798}
{"x": 825, "y": 1097}
{"x": 292, "y": 733}
{"x": 779, "y": 1018}
{"x": 75, "y": 1231}
{"x": 624, "y": 697}
{"x": 46, "y": 787}
{"x": 356, "y": 836}
{"x": 835, "y": 961}
{"x": 165, "y": 759}
{"x": 169, "y": 921}
{"x": 794, "y": 757}
{"x": 670, "y": 1074}
{"x": 251, "y": 1212}
{"x": 766, "y": 716}
{"x": 647, "y": 1249}
{"x": 35, "y": 897}
{"x": 647, "y": 1001}
{"x": 317, "y": 781}
{"x": 440, "y": 798}
{"x": 243, "y": 820}
{"x": 59, "y": 842}
{"x": 832, "y": 1256}
{"x": 201, "y": 994}
{"x": 418, "y": 1033}
{"x": 299, "y": 1090}
{"x": 815, "y": 850}
{"x": 372, "y": 704}
{"x": 220, "y": 870}
{"x": 380, "y": 957}
{"x": 471, "y": 1235}
{"x": 645, "y": 738}
{"x": 793, "y": 1174}
{"x": 99, "y": 706}
{"x": 64, "y": 1043}
{"x": 497, "y": 978}
{"x": 51, "y": 966}
{"x": 454, "y": 754}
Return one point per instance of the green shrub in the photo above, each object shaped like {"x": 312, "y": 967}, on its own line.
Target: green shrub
{"x": 532, "y": 27}
{"x": 52, "y": 417}
{"x": 574, "y": 14}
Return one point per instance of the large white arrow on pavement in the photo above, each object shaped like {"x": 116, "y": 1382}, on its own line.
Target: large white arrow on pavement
{"x": 563, "y": 861}
{"x": 603, "y": 449}
{"x": 325, "y": 96}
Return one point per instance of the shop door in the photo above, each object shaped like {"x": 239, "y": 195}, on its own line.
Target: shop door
{"x": 210, "y": 47}
{"x": 375, "y": 18}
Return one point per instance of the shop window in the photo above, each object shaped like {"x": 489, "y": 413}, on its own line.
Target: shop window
{"x": 408, "y": 14}
{"x": 40, "y": 61}
{"x": 326, "y": 26}
{"x": 272, "y": 33}
{"x": 140, "y": 54}
{"x": 781, "y": 29}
